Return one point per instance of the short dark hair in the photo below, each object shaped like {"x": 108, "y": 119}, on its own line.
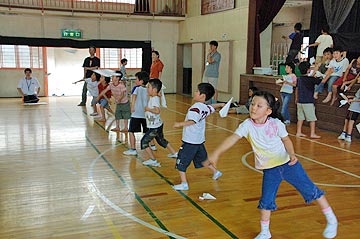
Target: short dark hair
{"x": 107, "y": 79}
{"x": 214, "y": 43}
{"x": 156, "y": 53}
{"x": 27, "y": 69}
{"x": 97, "y": 75}
{"x": 123, "y": 60}
{"x": 143, "y": 76}
{"x": 253, "y": 88}
{"x": 93, "y": 47}
{"x": 338, "y": 48}
{"x": 325, "y": 28}
{"x": 156, "y": 84}
{"x": 304, "y": 67}
{"x": 121, "y": 74}
{"x": 298, "y": 26}
{"x": 207, "y": 89}
{"x": 292, "y": 66}
{"x": 328, "y": 49}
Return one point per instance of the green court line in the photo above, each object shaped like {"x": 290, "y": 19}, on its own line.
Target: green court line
{"x": 197, "y": 206}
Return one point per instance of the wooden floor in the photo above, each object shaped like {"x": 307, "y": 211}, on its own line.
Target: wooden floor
{"x": 62, "y": 175}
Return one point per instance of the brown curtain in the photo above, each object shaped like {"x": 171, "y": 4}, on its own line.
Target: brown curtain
{"x": 266, "y": 10}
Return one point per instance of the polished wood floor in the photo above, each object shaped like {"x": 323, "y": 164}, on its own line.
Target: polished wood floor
{"x": 62, "y": 175}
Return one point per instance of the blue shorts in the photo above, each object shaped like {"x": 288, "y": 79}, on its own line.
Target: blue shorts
{"x": 104, "y": 103}
{"x": 295, "y": 175}
{"x": 188, "y": 153}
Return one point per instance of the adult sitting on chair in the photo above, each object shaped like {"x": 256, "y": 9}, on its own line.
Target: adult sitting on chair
{"x": 29, "y": 87}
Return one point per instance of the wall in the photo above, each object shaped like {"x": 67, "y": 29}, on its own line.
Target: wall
{"x": 163, "y": 32}
{"x": 229, "y": 26}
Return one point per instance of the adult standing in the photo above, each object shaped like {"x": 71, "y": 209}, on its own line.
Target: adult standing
{"x": 90, "y": 63}
{"x": 156, "y": 71}
{"x": 322, "y": 42}
{"x": 296, "y": 42}
{"x": 211, "y": 73}
{"x": 29, "y": 87}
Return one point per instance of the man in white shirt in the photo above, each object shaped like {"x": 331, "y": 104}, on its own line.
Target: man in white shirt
{"x": 29, "y": 87}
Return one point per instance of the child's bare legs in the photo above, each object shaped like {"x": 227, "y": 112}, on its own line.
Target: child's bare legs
{"x": 170, "y": 148}
{"x": 102, "y": 111}
{"x": 334, "y": 94}
{"x": 132, "y": 140}
{"x": 183, "y": 185}
{"x": 332, "y": 223}
{"x": 298, "y": 129}
{"x": 94, "y": 108}
{"x": 216, "y": 173}
{"x": 150, "y": 153}
{"x": 117, "y": 128}
{"x": 312, "y": 131}
{"x": 350, "y": 126}
{"x": 125, "y": 129}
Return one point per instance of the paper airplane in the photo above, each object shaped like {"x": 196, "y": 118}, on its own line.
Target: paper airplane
{"x": 279, "y": 81}
{"x": 225, "y": 110}
{"x": 344, "y": 96}
{"x": 345, "y": 88}
{"x": 207, "y": 196}
{"x": 343, "y": 102}
{"x": 358, "y": 127}
{"x": 107, "y": 72}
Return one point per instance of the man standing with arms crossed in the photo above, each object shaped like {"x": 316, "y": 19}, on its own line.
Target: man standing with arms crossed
{"x": 90, "y": 63}
{"x": 211, "y": 73}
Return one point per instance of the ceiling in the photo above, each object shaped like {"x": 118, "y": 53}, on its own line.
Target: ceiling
{"x": 297, "y": 3}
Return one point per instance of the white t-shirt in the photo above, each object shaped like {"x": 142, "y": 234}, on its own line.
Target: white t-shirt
{"x": 265, "y": 140}
{"x": 140, "y": 102}
{"x": 153, "y": 120}
{"x": 92, "y": 87}
{"x": 195, "y": 134}
{"x": 338, "y": 66}
{"x": 29, "y": 87}
{"x": 325, "y": 42}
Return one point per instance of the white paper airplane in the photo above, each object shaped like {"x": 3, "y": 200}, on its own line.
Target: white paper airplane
{"x": 207, "y": 196}
{"x": 279, "y": 81}
{"x": 343, "y": 102}
{"x": 225, "y": 110}
{"x": 358, "y": 127}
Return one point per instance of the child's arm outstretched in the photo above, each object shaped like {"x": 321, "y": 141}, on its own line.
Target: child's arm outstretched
{"x": 226, "y": 144}
{"x": 290, "y": 149}
{"x": 218, "y": 105}
{"x": 78, "y": 81}
{"x": 184, "y": 123}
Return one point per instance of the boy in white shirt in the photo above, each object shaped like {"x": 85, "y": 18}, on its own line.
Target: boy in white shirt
{"x": 155, "y": 124}
{"x": 193, "y": 138}
{"x": 335, "y": 70}
{"x": 29, "y": 87}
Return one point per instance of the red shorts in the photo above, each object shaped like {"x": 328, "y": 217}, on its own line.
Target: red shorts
{"x": 340, "y": 80}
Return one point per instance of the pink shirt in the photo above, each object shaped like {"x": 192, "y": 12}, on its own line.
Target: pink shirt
{"x": 118, "y": 91}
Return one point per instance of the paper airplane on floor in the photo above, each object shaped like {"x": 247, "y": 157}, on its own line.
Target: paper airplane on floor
{"x": 358, "y": 127}
{"x": 207, "y": 196}
{"x": 225, "y": 110}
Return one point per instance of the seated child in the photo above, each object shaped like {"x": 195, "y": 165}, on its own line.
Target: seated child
{"x": 105, "y": 99}
{"x": 243, "y": 109}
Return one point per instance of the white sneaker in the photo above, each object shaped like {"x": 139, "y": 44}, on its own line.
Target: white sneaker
{"x": 130, "y": 152}
{"x": 263, "y": 235}
{"x": 150, "y": 162}
{"x": 153, "y": 147}
{"x": 94, "y": 114}
{"x": 217, "y": 175}
{"x": 330, "y": 230}
{"x": 341, "y": 136}
{"x": 287, "y": 122}
{"x": 181, "y": 186}
{"x": 348, "y": 139}
{"x": 172, "y": 155}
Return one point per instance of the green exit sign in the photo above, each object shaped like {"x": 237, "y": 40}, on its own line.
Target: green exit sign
{"x": 66, "y": 33}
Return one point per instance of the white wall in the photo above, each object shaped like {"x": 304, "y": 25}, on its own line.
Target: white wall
{"x": 162, "y": 33}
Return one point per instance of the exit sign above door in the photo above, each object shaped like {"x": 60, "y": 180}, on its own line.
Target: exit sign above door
{"x": 69, "y": 33}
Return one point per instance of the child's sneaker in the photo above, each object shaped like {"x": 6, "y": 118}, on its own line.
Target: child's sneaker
{"x": 181, "y": 186}
{"x": 263, "y": 235}
{"x": 348, "y": 139}
{"x": 330, "y": 230}
{"x": 150, "y": 162}
{"x": 287, "y": 122}
{"x": 130, "y": 152}
{"x": 172, "y": 155}
{"x": 217, "y": 175}
{"x": 94, "y": 114}
{"x": 153, "y": 147}
{"x": 342, "y": 136}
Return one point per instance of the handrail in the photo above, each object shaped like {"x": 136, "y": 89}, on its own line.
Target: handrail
{"x": 138, "y": 7}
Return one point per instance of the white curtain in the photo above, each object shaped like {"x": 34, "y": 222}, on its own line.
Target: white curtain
{"x": 336, "y": 12}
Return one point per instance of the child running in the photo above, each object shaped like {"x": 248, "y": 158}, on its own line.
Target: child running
{"x": 155, "y": 124}
{"x": 193, "y": 138}
{"x": 274, "y": 154}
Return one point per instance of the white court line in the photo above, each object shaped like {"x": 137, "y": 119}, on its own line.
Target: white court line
{"x": 243, "y": 160}
{"x": 87, "y": 213}
{"x": 92, "y": 188}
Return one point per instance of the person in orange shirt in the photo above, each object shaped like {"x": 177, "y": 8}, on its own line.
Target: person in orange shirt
{"x": 156, "y": 66}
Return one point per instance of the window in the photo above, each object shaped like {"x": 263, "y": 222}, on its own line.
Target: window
{"x": 20, "y": 56}
{"x": 111, "y": 57}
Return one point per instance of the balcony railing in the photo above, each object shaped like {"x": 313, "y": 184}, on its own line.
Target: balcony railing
{"x": 136, "y": 7}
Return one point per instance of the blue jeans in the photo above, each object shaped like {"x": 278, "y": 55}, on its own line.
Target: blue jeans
{"x": 295, "y": 175}
{"x": 320, "y": 87}
{"x": 285, "y": 97}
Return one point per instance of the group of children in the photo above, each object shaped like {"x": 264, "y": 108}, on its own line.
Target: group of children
{"x": 337, "y": 73}
{"x": 276, "y": 157}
